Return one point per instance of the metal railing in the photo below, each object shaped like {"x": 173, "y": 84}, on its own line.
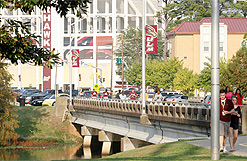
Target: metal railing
{"x": 188, "y": 113}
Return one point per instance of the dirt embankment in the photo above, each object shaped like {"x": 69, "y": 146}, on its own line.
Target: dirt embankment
{"x": 39, "y": 126}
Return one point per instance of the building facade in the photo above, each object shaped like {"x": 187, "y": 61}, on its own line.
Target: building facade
{"x": 94, "y": 35}
{"x": 191, "y": 41}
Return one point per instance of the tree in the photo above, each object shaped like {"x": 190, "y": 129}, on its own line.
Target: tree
{"x": 236, "y": 71}
{"x": 162, "y": 73}
{"x": 16, "y": 44}
{"x": 15, "y": 37}
{"x": 7, "y": 121}
{"x": 185, "y": 80}
{"x": 132, "y": 53}
{"x": 134, "y": 74}
{"x": 204, "y": 78}
{"x": 158, "y": 73}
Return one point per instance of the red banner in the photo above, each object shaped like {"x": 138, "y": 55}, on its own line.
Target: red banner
{"x": 151, "y": 39}
{"x": 75, "y": 58}
{"x": 47, "y": 44}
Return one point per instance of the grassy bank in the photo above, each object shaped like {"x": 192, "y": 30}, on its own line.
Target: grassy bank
{"x": 39, "y": 126}
{"x": 170, "y": 151}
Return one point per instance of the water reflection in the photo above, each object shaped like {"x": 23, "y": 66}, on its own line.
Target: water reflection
{"x": 58, "y": 153}
{"x": 45, "y": 153}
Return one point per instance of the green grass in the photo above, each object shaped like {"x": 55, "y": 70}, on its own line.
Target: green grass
{"x": 40, "y": 124}
{"x": 169, "y": 151}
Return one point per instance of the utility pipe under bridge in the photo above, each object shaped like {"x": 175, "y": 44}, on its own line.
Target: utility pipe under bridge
{"x": 114, "y": 120}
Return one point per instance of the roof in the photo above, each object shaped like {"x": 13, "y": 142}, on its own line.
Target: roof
{"x": 234, "y": 26}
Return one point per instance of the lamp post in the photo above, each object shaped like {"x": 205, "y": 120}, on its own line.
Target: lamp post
{"x": 215, "y": 81}
{"x": 144, "y": 117}
{"x": 70, "y": 65}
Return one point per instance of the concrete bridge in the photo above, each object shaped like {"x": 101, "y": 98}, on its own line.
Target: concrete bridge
{"x": 115, "y": 120}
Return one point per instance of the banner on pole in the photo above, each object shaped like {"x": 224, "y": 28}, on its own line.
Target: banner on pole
{"x": 75, "y": 58}
{"x": 151, "y": 39}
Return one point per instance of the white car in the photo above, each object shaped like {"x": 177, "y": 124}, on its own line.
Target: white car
{"x": 178, "y": 98}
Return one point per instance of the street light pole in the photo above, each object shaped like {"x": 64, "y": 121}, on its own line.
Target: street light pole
{"x": 144, "y": 117}
{"x": 70, "y": 66}
{"x": 215, "y": 81}
{"x": 143, "y": 58}
{"x": 122, "y": 65}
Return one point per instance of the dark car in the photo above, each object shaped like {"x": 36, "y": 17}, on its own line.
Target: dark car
{"x": 87, "y": 94}
{"x": 38, "y": 102}
{"x": 28, "y": 93}
{"x": 16, "y": 91}
{"x": 50, "y": 91}
{"x": 41, "y": 95}
{"x": 74, "y": 92}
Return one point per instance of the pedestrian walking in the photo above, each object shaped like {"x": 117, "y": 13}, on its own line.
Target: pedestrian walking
{"x": 234, "y": 90}
{"x": 239, "y": 97}
{"x": 157, "y": 97}
{"x": 122, "y": 96}
{"x": 94, "y": 94}
{"x": 226, "y": 109}
{"x": 117, "y": 95}
{"x": 229, "y": 94}
{"x": 235, "y": 120}
{"x": 146, "y": 96}
{"x": 106, "y": 94}
{"x": 132, "y": 95}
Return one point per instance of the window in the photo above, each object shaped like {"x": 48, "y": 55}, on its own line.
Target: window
{"x": 206, "y": 46}
{"x": 221, "y": 46}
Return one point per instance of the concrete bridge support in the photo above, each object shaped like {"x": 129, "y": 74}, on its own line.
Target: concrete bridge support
{"x": 87, "y": 133}
{"x": 129, "y": 144}
{"x": 107, "y": 138}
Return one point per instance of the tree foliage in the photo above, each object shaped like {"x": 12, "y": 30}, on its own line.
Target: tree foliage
{"x": 158, "y": 73}
{"x": 7, "y": 121}
{"x": 185, "y": 81}
{"x": 131, "y": 50}
{"x": 16, "y": 44}
{"x": 16, "y": 41}
{"x": 19, "y": 46}
{"x": 62, "y": 6}
{"x": 236, "y": 71}
{"x": 204, "y": 78}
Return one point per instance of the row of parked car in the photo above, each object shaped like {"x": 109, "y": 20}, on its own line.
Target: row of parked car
{"x": 37, "y": 98}
{"x": 170, "y": 96}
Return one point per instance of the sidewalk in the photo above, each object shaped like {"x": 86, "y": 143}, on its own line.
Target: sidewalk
{"x": 241, "y": 145}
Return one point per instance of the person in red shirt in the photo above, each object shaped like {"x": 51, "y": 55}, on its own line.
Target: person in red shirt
{"x": 226, "y": 109}
{"x": 106, "y": 94}
{"x": 229, "y": 94}
{"x": 239, "y": 97}
{"x": 94, "y": 94}
{"x": 132, "y": 95}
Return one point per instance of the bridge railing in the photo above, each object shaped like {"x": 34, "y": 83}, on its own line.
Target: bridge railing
{"x": 192, "y": 113}
{"x": 195, "y": 99}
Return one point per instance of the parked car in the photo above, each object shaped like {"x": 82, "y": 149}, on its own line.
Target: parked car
{"x": 41, "y": 95}
{"x": 28, "y": 93}
{"x": 52, "y": 100}
{"x": 81, "y": 91}
{"x": 207, "y": 99}
{"x": 150, "y": 96}
{"x": 16, "y": 91}
{"x": 74, "y": 92}
{"x": 87, "y": 94}
{"x": 38, "y": 102}
{"x": 177, "y": 98}
{"x": 169, "y": 93}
